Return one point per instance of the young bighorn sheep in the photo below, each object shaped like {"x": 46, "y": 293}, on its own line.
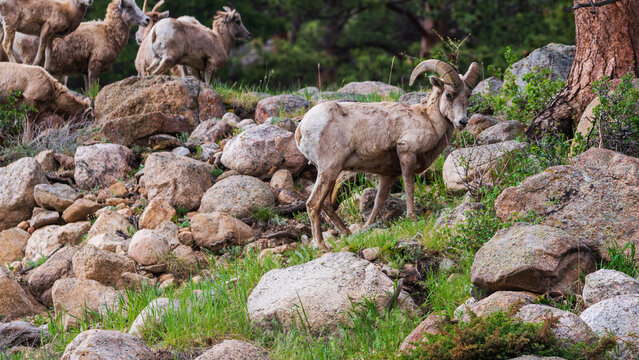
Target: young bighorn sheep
{"x": 93, "y": 48}
{"x": 45, "y": 19}
{"x": 145, "y": 56}
{"x": 175, "y": 42}
{"x": 385, "y": 138}
{"x": 41, "y": 90}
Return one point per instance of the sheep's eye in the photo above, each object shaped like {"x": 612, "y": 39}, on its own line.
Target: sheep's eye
{"x": 238, "y": 22}
{"x": 449, "y": 97}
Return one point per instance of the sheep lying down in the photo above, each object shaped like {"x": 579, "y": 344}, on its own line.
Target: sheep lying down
{"x": 41, "y": 90}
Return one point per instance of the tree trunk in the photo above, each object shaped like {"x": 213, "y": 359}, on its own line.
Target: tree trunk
{"x": 607, "y": 44}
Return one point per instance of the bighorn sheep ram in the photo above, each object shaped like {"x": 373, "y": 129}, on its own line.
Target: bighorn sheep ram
{"x": 175, "y": 42}
{"x": 93, "y": 48}
{"x": 44, "y": 18}
{"x": 41, "y": 90}
{"x": 385, "y": 138}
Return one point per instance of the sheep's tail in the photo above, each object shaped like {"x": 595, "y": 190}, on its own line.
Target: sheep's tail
{"x": 298, "y": 136}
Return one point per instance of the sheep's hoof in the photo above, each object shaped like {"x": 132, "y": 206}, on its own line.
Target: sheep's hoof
{"x": 319, "y": 245}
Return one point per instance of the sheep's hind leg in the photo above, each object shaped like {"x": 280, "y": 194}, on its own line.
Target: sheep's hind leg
{"x": 407, "y": 162}
{"x": 332, "y": 215}
{"x": 160, "y": 68}
{"x": 44, "y": 43}
{"x": 7, "y": 43}
{"x": 315, "y": 202}
{"x": 385, "y": 182}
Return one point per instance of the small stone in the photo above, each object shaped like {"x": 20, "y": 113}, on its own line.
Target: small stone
{"x": 605, "y": 284}
{"x": 80, "y": 210}
{"x": 155, "y": 213}
{"x": 12, "y": 244}
{"x": 282, "y": 179}
{"x": 44, "y": 218}
{"x": 181, "y": 151}
{"x": 55, "y": 197}
{"x": 118, "y": 190}
{"x": 46, "y": 158}
{"x": 371, "y": 254}
{"x": 107, "y": 345}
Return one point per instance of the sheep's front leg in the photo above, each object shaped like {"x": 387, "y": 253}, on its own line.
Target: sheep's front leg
{"x": 407, "y": 162}
{"x": 385, "y": 182}
{"x": 45, "y": 38}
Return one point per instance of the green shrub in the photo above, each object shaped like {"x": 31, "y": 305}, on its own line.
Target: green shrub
{"x": 501, "y": 336}
{"x": 516, "y": 104}
{"x": 621, "y": 259}
{"x": 615, "y": 122}
{"x": 13, "y": 115}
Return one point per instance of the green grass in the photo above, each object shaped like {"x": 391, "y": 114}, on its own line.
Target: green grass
{"x": 621, "y": 259}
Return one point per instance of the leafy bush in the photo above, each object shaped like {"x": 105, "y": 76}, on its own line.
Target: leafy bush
{"x": 615, "y": 122}
{"x": 13, "y": 115}
{"x": 501, "y": 336}
{"x": 516, "y": 104}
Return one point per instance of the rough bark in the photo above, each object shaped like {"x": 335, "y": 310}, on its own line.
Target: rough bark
{"x": 607, "y": 44}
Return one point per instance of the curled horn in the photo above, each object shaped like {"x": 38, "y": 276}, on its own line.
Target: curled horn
{"x": 157, "y": 6}
{"x": 471, "y": 78}
{"x": 144, "y": 6}
{"x": 445, "y": 71}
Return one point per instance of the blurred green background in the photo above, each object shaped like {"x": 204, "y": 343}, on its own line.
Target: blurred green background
{"x": 297, "y": 42}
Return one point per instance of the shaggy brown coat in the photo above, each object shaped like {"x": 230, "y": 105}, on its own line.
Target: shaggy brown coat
{"x": 44, "y": 19}
{"x": 388, "y": 139}
{"x": 93, "y": 48}
{"x": 41, "y": 90}
{"x": 175, "y": 42}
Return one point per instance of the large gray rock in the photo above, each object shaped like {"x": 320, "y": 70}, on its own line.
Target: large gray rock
{"x": 102, "y": 164}
{"x": 535, "y": 258}
{"x": 412, "y": 98}
{"x": 237, "y": 196}
{"x": 618, "y": 316}
{"x": 217, "y": 230}
{"x": 17, "y": 182}
{"x": 605, "y": 284}
{"x": 556, "y": 57}
{"x": 463, "y": 166}
{"x": 72, "y": 297}
{"x": 262, "y": 150}
{"x": 14, "y": 301}
{"x": 109, "y": 222}
{"x": 132, "y": 110}
{"x": 280, "y": 105}
{"x": 102, "y": 266}
{"x": 152, "y": 315}
{"x": 56, "y": 197}
{"x": 210, "y": 131}
{"x": 490, "y": 86}
{"x": 49, "y": 238}
{"x": 21, "y": 333}
{"x": 43, "y": 277}
{"x": 369, "y": 88}
{"x": 106, "y": 345}
{"x": 150, "y": 247}
{"x": 570, "y": 329}
{"x": 594, "y": 199}
{"x": 234, "y": 350}
{"x": 497, "y": 301}
{"x": 323, "y": 289}
{"x": 12, "y": 244}
{"x": 503, "y": 131}
{"x": 110, "y": 242}
{"x": 178, "y": 180}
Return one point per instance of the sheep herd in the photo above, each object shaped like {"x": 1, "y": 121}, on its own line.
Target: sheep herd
{"x": 46, "y": 39}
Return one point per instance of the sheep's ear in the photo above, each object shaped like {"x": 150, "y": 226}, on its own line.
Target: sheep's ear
{"x": 164, "y": 15}
{"x": 437, "y": 82}
{"x": 226, "y": 8}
